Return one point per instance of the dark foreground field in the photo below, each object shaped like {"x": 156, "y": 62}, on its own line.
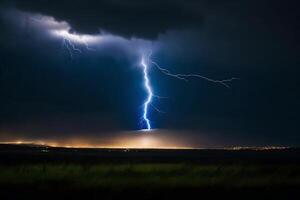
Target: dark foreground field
{"x": 58, "y": 173}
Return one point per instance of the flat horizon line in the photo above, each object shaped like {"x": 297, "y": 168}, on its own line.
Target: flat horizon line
{"x": 147, "y": 148}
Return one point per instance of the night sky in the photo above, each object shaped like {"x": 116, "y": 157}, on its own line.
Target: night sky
{"x": 47, "y": 93}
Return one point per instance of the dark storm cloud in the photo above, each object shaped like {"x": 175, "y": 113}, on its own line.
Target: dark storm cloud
{"x": 142, "y": 19}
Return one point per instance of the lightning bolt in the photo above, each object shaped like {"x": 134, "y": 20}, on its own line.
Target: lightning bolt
{"x": 144, "y": 64}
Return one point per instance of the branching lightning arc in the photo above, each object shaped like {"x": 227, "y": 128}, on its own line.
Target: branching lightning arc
{"x": 70, "y": 47}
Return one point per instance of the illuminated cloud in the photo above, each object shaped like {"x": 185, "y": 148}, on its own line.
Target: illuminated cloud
{"x": 126, "y": 18}
{"x": 78, "y": 38}
{"x": 52, "y": 28}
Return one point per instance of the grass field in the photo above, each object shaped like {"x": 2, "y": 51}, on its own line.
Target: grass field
{"x": 36, "y": 172}
{"x": 151, "y": 176}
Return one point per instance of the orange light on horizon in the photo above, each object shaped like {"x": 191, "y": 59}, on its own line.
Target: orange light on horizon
{"x": 157, "y": 139}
